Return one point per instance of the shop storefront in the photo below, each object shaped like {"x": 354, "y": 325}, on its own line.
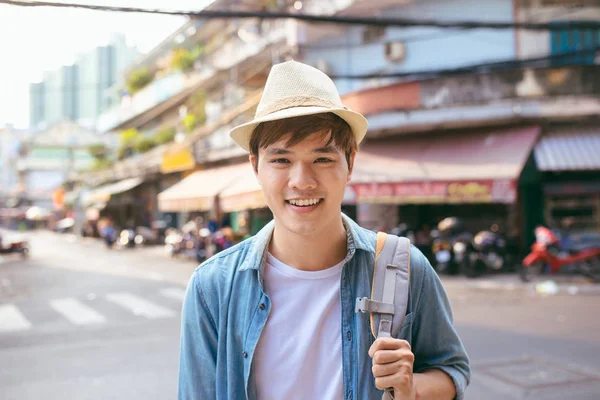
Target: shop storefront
{"x": 420, "y": 180}
{"x": 120, "y": 201}
{"x": 569, "y": 163}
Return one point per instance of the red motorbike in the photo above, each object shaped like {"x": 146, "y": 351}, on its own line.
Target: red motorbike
{"x": 548, "y": 257}
{"x": 14, "y": 246}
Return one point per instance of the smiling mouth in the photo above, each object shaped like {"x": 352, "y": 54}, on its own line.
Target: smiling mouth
{"x": 304, "y": 202}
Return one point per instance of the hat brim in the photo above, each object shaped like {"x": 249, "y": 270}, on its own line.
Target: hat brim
{"x": 241, "y": 134}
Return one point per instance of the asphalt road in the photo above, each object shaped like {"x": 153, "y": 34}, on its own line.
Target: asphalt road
{"x": 78, "y": 321}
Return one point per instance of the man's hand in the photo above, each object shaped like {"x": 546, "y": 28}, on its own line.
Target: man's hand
{"x": 393, "y": 367}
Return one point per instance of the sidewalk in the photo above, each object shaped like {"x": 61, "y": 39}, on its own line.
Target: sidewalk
{"x": 570, "y": 285}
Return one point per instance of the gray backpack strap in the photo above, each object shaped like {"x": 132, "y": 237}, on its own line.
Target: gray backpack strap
{"x": 390, "y": 285}
{"x": 390, "y": 288}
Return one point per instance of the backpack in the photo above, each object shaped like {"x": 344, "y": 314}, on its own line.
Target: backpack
{"x": 389, "y": 289}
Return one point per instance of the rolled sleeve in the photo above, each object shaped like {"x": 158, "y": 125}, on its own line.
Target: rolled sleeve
{"x": 198, "y": 349}
{"x": 436, "y": 344}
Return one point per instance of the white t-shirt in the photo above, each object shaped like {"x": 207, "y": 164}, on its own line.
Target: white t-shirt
{"x": 299, "y": 354}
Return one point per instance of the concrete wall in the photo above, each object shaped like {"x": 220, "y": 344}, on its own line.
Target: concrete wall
{"x": 426, "y": 48}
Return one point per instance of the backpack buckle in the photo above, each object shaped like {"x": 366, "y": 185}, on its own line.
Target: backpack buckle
{"x": 366, "y": 305}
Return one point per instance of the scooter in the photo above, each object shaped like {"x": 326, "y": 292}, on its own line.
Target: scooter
{"x": 549, "y": 257}
{"x": 20, "y": 247}
{"x": 489, "y": 253}
{"x": 450, "y": 246}
{"x": 127, "y": 238}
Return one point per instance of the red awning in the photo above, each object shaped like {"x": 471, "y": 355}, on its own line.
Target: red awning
{"x": 451, "y": 167}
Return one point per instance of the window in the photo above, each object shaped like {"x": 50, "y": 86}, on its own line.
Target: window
{"x": 572, "y": 40}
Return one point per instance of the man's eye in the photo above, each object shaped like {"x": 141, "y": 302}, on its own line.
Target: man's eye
{"x": 324, "y": 160}
{"x": 280, "y": 161}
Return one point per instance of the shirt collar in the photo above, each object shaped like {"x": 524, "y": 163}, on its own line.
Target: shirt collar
{"x": 256, "y": 256}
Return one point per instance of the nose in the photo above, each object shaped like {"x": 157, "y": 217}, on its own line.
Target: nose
{"x": 302, "y": 177}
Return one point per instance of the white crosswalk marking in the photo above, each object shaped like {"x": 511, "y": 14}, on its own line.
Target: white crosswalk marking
{"x": 173, "y": 293}
{"x": 77, "y": 312}
{"x": 11, "y": 319}
{"x": 139, "y": 306}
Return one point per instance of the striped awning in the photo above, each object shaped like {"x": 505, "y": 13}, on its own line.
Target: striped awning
{"x": 569, "y": 151}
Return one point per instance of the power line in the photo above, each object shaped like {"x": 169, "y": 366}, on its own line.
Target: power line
{"x": 384, "y": 22}
{"x": 493, "y": 66}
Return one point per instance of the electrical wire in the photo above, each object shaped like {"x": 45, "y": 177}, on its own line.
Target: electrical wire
{"x": 493, "y": 66}
{"x": 346, "y": 20}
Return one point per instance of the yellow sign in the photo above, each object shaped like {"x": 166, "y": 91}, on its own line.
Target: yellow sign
{"x": 178, "y": 161}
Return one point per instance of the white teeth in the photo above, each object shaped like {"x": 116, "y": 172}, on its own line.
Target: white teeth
{"x": 304, "y": 203}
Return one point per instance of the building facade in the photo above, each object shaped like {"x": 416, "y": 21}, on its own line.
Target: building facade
{"x": 442, "y": 142}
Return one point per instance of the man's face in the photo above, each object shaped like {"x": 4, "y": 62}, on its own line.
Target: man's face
{"x": 304, "y": 184}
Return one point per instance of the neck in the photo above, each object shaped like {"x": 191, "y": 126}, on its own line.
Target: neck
{"x": 316, "y": 252}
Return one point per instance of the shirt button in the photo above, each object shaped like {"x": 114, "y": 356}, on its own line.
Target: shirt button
{"x": 245, "y": 354}
{"x": 348, "y": 335}
{"x": 262, "y": 306}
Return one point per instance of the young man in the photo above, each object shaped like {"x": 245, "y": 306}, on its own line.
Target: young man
{"x": 273, "y": 317}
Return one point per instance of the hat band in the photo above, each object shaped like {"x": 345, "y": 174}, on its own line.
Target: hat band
{"x": 296, "y": 101}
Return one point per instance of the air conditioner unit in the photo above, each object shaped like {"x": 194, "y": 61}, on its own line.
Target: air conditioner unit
{"x": 395, "y": 51}
{"x": 322, "y": 65}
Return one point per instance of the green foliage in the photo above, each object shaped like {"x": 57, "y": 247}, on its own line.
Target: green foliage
{"x": 198, "y": 51}
{"x": 101, "y": 163}
{"x": 124, "y": 152}
{"x": 164, "y": 135}
{"x": 143, "y": 144}
{"x": 129, "y": 136}
{"x": 98, "y": 151}
{"x": 138, "y": 79}
{"x": 196, "y": 111}
{"x": 189, "y": 122}
{"x": 183, "y": 59}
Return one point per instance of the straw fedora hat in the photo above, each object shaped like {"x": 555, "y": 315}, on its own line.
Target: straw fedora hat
{"x": 294, "y": 89}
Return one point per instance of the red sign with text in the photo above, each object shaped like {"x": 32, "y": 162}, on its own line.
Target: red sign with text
{"x": 476, "y": 191}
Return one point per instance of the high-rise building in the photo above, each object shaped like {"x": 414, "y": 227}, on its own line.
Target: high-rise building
{"x": 36, "y": 103}
{"x": 78, "y": 92}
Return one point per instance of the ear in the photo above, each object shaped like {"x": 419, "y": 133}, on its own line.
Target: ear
{"x": 351, "y": 166}
{"x": 253, "y": 159}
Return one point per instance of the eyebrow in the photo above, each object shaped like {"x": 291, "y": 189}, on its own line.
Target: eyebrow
{"x": 320, "y": 150}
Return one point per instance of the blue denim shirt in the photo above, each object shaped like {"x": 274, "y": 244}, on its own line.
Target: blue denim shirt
{"x": 226, "y": 308}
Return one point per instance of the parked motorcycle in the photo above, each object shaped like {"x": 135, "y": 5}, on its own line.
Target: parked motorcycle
{"x": 489, "y": 252}
{"x": 549, "y": 256}
{"x": 127, "y": 238}
{"x": 190, "y": 244}
{"x": 14, "y": 246}
{"x": 145, "y": 236}
{"x": 450, "y": 246}
{"x": 173, "y": 242}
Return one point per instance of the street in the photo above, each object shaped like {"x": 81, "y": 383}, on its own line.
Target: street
{"x": 78, "y": 321}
